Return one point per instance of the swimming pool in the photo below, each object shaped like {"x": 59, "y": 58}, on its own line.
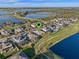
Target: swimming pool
{"x": 68, "y": 48}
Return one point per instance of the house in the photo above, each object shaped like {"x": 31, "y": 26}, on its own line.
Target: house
{"x": 36, "y": 32}
{"x": 23, "y": 27}
{"x": 33, "y": 25}
{"x": 45, "y": 29}
{"x": 18, "y": 30}
{"x": 1, "y": 30}
{"x": 67, "y": 22}
{"x": 5, "y": 46}
{"x": 31, "y": 36}
{"x": 8, "y": 24}
{"x": 5, "y": 32}
{"x": 52, "y": 27}
{"x": 72, "y": 19}
{"x": 21, "y": 38}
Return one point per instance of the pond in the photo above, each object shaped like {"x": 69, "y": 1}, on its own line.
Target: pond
{"x": 68, "y": 48}
{"x": 9, "y": 18}
{"x": 4, "y": 12}
{"x": 26, "y": 10}
{"x": 38, "y": 15}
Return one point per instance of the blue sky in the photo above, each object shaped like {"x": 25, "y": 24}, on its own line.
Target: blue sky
{"x": 39, "y": 3}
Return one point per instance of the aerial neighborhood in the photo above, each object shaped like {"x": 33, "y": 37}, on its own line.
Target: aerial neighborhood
{"x": 16, "y": 38}
{"x": 25, "y": 36}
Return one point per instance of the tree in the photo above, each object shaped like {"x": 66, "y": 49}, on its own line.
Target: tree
{"x": 2, "y": 56}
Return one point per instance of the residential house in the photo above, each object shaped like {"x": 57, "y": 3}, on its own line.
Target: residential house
{"x": 8, "y": 24}
{"x": 45, "y": 29}
{"x": 5, "y": 46}
{"x": 4, "y": 32}
{"x": 17, "y": 30}
{"x": 33, "y": 25}
{"x": 38, "y": 33}
{"x": 21, "y": 38}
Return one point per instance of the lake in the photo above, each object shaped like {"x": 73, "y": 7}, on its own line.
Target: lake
{"x": 9, "y": 18}
{"x": 38, "y": 15}
{"x": 26, "y": 10}
{"x": 17, "y": 20}
{"x": 4, "y": 12}
{"x": 68, "y": 48}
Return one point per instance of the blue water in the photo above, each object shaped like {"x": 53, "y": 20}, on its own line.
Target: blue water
{"x": 67, "y": 48}
{"x": 4, "y": 19}
{"x": 4, "y": 12}
{"x": 35, "y": 15}
{"x": 26, "y": 10}
{"x": 38, "y": 15}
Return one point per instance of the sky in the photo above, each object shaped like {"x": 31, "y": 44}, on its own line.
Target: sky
{"x": 39, "y": 3}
